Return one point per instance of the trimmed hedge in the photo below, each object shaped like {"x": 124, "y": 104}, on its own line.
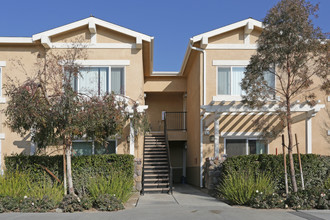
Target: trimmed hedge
{"x": 83, "y": 167}
{"x": 316, "y": 168}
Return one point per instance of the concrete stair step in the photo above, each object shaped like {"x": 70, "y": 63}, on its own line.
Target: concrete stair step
{"x": 157, "y": 190}
{"x": 155, "y": 155}
{"x": 156, "y": 171}
{"x": 165, "y": 179}
{"x": 155, "y": 175}
{"x": 153, "y": 159}
{"x": 155, "y": 163}
{"x": 156, "y": 185}
{"x": 156, "y": 167}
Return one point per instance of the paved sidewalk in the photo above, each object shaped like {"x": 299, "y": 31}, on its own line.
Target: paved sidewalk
{"x": 186, "y": 202}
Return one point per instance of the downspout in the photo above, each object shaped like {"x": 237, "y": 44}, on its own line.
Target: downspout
{"x": 204, "y": 69}
{"x": 201, "y": 151}
{"x": 203, "y": 117}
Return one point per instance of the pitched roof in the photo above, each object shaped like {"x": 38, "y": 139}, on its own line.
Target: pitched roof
{"x": 249, "y": 25}
{"x": 90, "y": 21}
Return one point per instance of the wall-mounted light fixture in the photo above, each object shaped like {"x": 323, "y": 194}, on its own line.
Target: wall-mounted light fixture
{"x": 211, "y": 138}
{"x": 128, "y": 139}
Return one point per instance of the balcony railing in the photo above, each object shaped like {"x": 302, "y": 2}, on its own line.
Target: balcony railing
{"x": 176, "y": 121}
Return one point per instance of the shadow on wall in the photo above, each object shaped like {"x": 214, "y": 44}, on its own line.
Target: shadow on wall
{"x": 24, "y": 144}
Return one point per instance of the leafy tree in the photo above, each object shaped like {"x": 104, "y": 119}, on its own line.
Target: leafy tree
{"x": 47, "y": 106}
{"x": 294, "y": 52}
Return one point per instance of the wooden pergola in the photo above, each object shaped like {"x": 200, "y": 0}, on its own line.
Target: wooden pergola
{"x": 217, "y": 108}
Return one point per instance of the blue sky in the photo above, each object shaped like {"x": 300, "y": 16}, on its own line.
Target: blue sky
{"x": 171, "y": 22}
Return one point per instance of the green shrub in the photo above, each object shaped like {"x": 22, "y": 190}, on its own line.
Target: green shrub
{"x": 327, "y": 183}
{"x": 86, "y": 202}
{"x": 83, "y": 167}
{"x": 309, "y": 199}
{"x": 316, "y": 168}
{"x": 14, "y": 184}
{"x": 108, "y": 203}
{"x": 115, "y": 184}
{"x": 71, "y": 203}
{"x": 271, "y": 201}
{"x": 239, "y": 187}
{"x": 9, "y": 203}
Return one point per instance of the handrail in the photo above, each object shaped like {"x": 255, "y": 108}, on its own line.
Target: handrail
{"x": 142, "y": 181}
{"x": 176, "y": 121}
{"x": 168, "y": 157}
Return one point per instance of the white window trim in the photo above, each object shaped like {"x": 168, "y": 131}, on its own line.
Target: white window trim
{"x": 231, "y": 64}
{"x": 246, "y": 144}
{"x": 109, "y": 72}
{"x": 93, "y": 147}
{"x": 99, "y": 63}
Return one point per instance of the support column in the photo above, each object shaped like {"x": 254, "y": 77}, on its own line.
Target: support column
{"x": 308, "y": 135}
{"x": 131, "y": 137}
{"x": 216, "y": 136}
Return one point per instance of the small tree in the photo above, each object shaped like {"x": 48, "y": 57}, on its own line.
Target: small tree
{"x": 294, "y": 53}
{"x": 47, "y": 106}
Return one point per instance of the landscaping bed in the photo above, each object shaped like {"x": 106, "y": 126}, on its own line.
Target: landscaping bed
{"x": 258, "y": 181}
{"x": 102, "y": 182}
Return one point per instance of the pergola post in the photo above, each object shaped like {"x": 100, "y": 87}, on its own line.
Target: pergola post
{"x": 131, "y": 136}
{"x": 216, "y": 135}
{"x": 308, "y": 135}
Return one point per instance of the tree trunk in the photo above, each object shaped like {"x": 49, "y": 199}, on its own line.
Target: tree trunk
{"x": 64, "y": 171}
{"x": 292, "y": 171}
{"x": 68, "y": 165}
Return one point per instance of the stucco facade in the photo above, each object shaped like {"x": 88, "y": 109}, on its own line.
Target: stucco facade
{"x": 194, "y": 89}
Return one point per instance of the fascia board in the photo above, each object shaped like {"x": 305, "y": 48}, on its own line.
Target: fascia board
{"x": 61, "y": 29}
{"x": 19, "y": 40}
{"x": 227, "y": 28}
{"x": 122, "y": 29}
{"x": 86, "y": 22}
{"x": 185, "y": 59}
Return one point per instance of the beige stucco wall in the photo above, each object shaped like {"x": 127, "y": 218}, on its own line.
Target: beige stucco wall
{"x": 27, "y": 55}
{"x": 158, "y": 102}
{"x": 165, "y": 84}
{"x": 194, "y": 101}
{"x": 232, "y": 37}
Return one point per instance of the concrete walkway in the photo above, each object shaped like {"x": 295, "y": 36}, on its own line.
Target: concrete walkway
{"x": 186, "y": 203}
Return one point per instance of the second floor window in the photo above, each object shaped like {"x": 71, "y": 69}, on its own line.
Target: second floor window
{"x": 230, "y": 77}
{"x": 100, "y": 80}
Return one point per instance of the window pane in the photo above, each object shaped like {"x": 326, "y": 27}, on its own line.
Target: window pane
{"x": 252, "y": 146}
{"x": 235, "y": 147}
{"x": 88, "y": 81}
{"x": 261, "y": 147}
{"x": 81, "y": 148}
{"x": 117, "y": 80}
{"x": 257, "y": 147}
{"x": 237, "y": 76}
{"x": 109, "y": 149}
{"x": 270, "y": 78}
{"x": 224, "y": 80}
{"x": 103, "y": 80}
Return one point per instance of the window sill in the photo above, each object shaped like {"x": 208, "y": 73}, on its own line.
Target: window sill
{"x": 227, "y": 98}
{"x": 2, "y": 100}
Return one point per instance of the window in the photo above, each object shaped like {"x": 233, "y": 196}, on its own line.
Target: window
{"x": 230, "y": 77}
{"x": 100, "y": 80}
{"x": 236, "y": 147}
{"x": 90, "y": 148}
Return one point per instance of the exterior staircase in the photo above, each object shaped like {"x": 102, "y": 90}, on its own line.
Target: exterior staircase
{"x": 156, "y": 176}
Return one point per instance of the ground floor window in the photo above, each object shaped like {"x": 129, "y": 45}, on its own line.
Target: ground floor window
{"x": 90, "y": 148}
{"x": 236, "y": 147}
